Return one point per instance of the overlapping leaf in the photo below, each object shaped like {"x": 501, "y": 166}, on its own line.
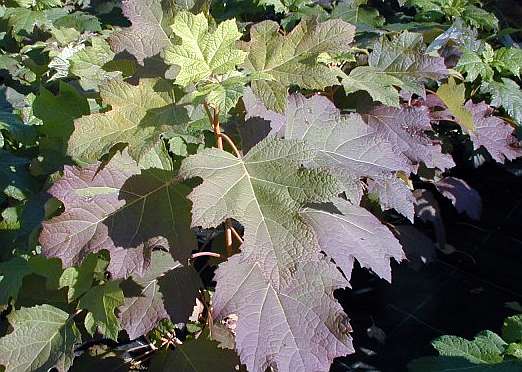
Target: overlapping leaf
{"x": 406, "y": 129}
{"x": 493, "y": 133}
{"x": 506, "y": 94}
{"x": 43, "y": 338}
{"x": 264, "y": 192}
{"x": 462, "y": 196}
{"x": 125, "y": 208}
{"x": 166, "y": 291}
{"x": 296, "y": 326}
{"x": 101, "y": 303}
{"x": 291, "y": 59}
{"x": 347, "y": 232}
{"x": 149, "y": 33}
{"x": 345, "y": 144}
{"x": 404, "y": 57}
{"x": 138, "y": 116}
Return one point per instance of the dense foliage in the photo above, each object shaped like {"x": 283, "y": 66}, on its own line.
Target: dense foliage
{"x": 184, "y": 184}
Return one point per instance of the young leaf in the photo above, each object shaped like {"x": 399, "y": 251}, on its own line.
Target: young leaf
{"x": 347, "y": 232}
{"x": 506, "y": 94}
{"x": 79, "y": 280}
{"x": 167, "y": 290}
{"x": 121, "y": 207}
{"x": 43, "y": 338}
{"x": 138, "y": 116}
{"x": 486, "y": 347}
{"x": 356, "y": 13}
{"x": 474, "y": 66}
{"x": 512, "y": 329}
{"x": 101, "y": 302}
{"x": 453, "y": 96}
{"x": 264, "y": 191}
{"x": 201, "y": 53}
{"x": 404, "y": 57}
{"x": 291, "y": 59}
{"x": 508, "y": 59}
{"x": 149, "y": 33}
{"x": 298, "y": 326}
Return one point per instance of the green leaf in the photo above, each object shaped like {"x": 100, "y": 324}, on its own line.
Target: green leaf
{"x": 12, "y": 273}
{"x": 43, "y": 338}
{"x": 474, "y": 66}
{"x": 203, "y": 54}
{"x": 404, "y": 57}
{"x": 138, "y": 116}
{"x": 200, "y": 355}
{"x": 292, "y": 59}
{"x": 514, "y": 350}
{"x": 57, "y": 114}
{"x": 512, "y": 329}
{"x": 508, "y": 59}
{"x": 380, "y": 85}
{"x": 264, "y": 191}
{"x": 15, "y": 180}
{"x": 486, "y": 347}
{"x": 480, "y": 18}
{"x": 79, "y": 279}
{"x": 101, "y": 302}
{"x": 49, "y": 268}
{"x": 87, "y": 64}
{"x": 223, "y": 95}
{"x": 453, "y": 96}
{"x": 506, "y": 94}
{"x": 356, "y": 13}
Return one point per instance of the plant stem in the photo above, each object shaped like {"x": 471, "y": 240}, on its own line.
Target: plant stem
{"x": 214, "y": 118}
{"x": 206, "y": 254}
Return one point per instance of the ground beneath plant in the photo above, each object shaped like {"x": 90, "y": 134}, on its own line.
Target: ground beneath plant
{"x": 461, "y": 293}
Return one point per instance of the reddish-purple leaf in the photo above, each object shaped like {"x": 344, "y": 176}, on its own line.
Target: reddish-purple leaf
{"x": 493, "y": 133}
{"x": 259, "y": 121}
{"x": 345, "y": 145}
{"x": 149, "y": 33}
{"x": 464, "y": 198}
{"x": 427, "y": 209}
{"x": 405, "y": 128}
{"x": 347, "y": 232}
{"x": 297, "y": 327}
{"x": 167, "y": 289}
{"x": 118, "y": 207}
{"x": 394, "y": 194}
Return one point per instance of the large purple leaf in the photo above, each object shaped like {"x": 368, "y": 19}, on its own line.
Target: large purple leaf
{"x": 149, "y": 33}
{"x": 493, "y": 133}
{"x": 347, "y": 232}
{"x": 464, "y": 198}
{"x": 345, "y": 145}
{"x": 298, "y": 327}
{"x": 427, "y": 209}
{"x": 167, "y": 289}
{"x": 405, "y": 128}
{"x": 119, "y": 206}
